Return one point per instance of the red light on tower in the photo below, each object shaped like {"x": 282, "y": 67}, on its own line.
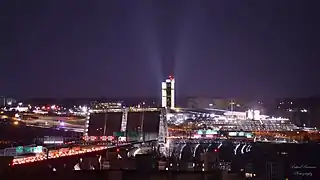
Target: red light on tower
{"x": 215, "y": 150}
{"x": 170, "y": 77}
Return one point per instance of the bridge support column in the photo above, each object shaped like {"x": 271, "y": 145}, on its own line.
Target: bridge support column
{"x": 163, "y": 133}
{"x": 177, "y": 149}
{"x": 124, "y": 120}
{"x": 86, "y": 125}
{"x": 194, "y": 148}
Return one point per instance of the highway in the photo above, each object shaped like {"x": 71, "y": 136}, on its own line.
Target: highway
{"x": 63, "y": 152}
{"x": 52, "y": 123}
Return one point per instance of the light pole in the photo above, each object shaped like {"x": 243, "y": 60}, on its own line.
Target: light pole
{"x": 141, "y": 129}
{"x": 105, "y": 124}
{"x": 232, "y": 103}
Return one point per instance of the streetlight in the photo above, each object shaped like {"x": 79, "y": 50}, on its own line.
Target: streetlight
{"x": 232, "y": 103}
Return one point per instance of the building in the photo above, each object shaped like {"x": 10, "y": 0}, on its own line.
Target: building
{"x": 285, "y": 161}
{"x": 168, "y": 93}
{"x": 6, "y": 101}
{"x": 211, "y": 160}
{"x": 216, "y": 103}
{"x": 2, "y": 101}
{"x": 275, "y": 170}
{"x": 304, "y": 112}
{"x": 231, "y": 104}
{"x": 106, "y": 105}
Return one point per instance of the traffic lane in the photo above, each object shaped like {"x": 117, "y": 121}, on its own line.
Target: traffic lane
{"x": 70, "y": 152}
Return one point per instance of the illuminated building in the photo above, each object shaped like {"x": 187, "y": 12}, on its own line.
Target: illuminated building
{"x": 168, "y": 93}
{"x": 2, "y": 101}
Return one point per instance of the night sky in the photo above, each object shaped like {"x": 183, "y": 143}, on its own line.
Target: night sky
{"x": 125, "y": 48}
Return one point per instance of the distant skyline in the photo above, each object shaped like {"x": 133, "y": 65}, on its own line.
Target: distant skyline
{"x": 182, "y": 101}
{"x": 120, "y": 48}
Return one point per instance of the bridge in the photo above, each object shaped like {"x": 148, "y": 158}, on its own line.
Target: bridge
{"x": 191, "y": 149}
{"x": 104, "y": 123}
{"x": 150, "y": 124}
{"x": 67, "y": 158}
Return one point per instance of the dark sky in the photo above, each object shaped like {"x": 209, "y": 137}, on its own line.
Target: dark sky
{"x": 124, "y": 48}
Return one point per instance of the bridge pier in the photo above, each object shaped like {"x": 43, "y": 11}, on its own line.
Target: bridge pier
{"x": 197, "y": 147}
{"x": 163, "y": 134}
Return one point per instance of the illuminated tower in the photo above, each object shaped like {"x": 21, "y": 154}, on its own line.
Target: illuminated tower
{"x": 168, "y": 93}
